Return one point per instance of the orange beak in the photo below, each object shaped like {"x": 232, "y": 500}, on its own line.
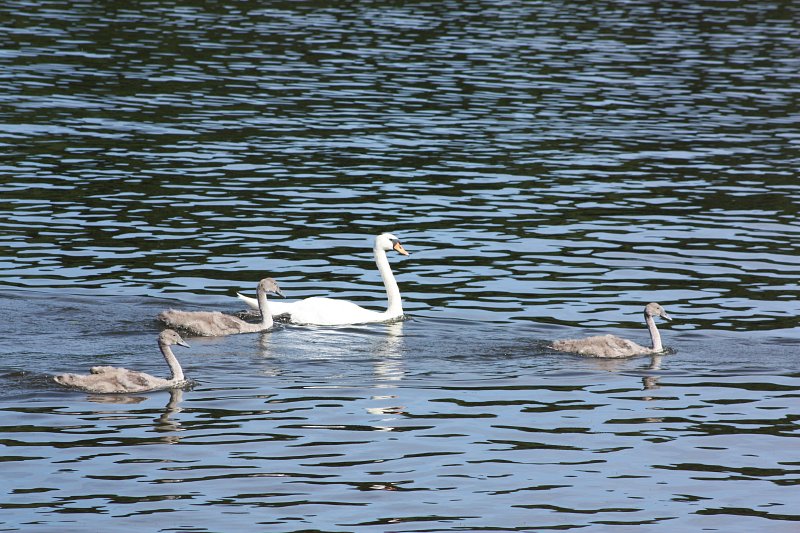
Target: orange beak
{"x": 399, "y": 248}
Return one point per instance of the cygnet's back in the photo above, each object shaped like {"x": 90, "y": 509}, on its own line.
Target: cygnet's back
{"x": 109, "y": 379}
{"x": 206, "y": 323}
{"x": 601, "y": 346}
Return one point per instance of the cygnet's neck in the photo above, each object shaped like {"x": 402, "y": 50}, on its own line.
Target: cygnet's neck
{"x": 263, "y": 307}
{"x": 655, "y": 336}
{"x": 395, "y": 305}
{"x": 172, "y": 361}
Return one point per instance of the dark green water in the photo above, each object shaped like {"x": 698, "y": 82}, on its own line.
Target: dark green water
{"x": 551, "y": 167}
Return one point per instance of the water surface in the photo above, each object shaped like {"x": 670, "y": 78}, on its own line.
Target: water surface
{"x": 551, "y": 167}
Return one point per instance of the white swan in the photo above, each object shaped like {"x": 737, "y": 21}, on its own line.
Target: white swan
{"x": 110, "y": 379}
{"x": 333, "y": 312}
{"x": 216, "y": 324}
{"x": 612, "y": 346}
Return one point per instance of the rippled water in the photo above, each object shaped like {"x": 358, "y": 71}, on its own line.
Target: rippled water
{"x": 550, "y": 166}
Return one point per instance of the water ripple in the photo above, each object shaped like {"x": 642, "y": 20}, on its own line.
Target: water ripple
{"x": 551, "y": 168}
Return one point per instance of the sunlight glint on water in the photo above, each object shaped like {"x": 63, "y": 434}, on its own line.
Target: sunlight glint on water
{"x": 550, "y": 167}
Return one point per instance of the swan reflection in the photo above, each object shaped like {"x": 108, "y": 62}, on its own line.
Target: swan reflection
{"x": 389, "y": 364}
{"x": 389, "y": 368}
{"x": 115, "y": 398}
{"x": 166, "y": 421}
{"x": 651, "y": 382}
{"x": 387, "y": 413}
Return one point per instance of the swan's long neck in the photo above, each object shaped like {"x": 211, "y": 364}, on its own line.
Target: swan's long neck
{"x": 263, "y": 307}
{"x": 172, "y": 361}
{"x": 655, "y": 336}
{"x": 395, "y": 306}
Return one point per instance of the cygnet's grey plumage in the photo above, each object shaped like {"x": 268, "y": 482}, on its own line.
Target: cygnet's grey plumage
{"x": 216, "y": 324}
{"x": 613, "y": 346}
{"x": 110, "y": 379}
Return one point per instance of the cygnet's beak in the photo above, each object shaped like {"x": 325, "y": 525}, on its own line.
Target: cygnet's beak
{"x": 665, "y": 316}
{"x": 183, "y": 343}
{"x": 399, "y": 248}
{"x": 278, "y": 292}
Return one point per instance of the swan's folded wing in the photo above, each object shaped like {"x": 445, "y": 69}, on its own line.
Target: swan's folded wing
{"x": 275, "y": 308}
{"x": 332, "y": 312}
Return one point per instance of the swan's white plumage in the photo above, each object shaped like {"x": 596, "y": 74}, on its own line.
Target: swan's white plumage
{"x": 613, "y": 346}
{"x": 109, "y": 379}
{"x": 275, "y": 308}
{"x": 334, "y": 312}
{"x": 216, "y": 324}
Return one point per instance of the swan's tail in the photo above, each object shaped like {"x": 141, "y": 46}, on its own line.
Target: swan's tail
{"x": 251, "y": 302}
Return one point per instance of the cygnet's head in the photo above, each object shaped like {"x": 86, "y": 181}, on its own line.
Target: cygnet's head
{"x": 169, "y": 337}
{"x": 654, "y": 309}
{"x": 387, "y": 241}
{"x": 270, "y": 285}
